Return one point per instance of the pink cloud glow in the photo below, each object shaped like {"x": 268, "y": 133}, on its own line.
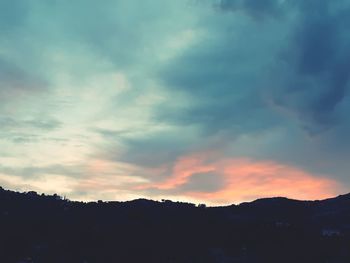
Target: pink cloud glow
{"x": 245, "y": 179}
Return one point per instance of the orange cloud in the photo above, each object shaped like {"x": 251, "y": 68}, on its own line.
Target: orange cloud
{"x": 245, "y": 179}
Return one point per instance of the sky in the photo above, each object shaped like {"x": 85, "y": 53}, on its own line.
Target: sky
{"x": 204, "y": 101}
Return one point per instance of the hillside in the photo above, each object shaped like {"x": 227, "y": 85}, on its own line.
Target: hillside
{"x": 41, "y": 228}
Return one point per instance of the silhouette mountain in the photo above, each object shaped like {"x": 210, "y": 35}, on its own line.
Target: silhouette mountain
{"x": 49, "y": 229}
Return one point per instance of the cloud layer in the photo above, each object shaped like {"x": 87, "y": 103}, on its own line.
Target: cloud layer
{"x": 215, "y": 101}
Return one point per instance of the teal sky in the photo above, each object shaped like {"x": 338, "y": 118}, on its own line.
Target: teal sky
{"x": 215, "y": 101}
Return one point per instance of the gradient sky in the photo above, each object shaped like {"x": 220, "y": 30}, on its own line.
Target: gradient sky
{"x": 214, "y": 101}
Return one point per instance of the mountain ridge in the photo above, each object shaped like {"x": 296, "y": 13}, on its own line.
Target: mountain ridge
{"x": 258, "y": 200}
{"x": 49, "y": 228}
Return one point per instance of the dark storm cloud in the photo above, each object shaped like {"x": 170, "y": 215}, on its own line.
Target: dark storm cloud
{"x": 305, "y": 71}
{"x": 317, "y": 62}
{"x": 255, "y": 8}
{"x": 285, "y": 76}
{"x": 222, "y": 77}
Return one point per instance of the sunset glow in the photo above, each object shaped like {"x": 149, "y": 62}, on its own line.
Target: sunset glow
{"x": 217, "y": 101}
{"x": 244, "y": 179}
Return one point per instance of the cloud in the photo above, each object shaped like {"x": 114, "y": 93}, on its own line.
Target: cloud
{"x": 267, "y": 81}
{"x": 90, "y": 180}
{"x": 30, "y": 130}
{"x": 210, "y": 178}
{"x": 222, "y": 79}
{"x": 12, "y": 15}
{"x": 248, "y": 78}
{"x": 143, "y": 86}
{"x": 299, "y": 63}
{"x": 202, "y": 182}
{"x": 10, "y": 123}
{"x": 16, "y": 83}
{"x": 47, "y": 184}
{"x": 315, "y": 80}
{"x": 255, "y": 8}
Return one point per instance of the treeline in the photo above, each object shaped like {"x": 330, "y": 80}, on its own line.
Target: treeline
{"x": 49, "y": 228}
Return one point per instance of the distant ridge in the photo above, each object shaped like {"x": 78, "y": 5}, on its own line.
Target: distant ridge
{"x": 48, "y": 228}
{"x": 259, "y": 200}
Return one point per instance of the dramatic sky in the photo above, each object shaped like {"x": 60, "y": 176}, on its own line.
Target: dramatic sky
{"x": 214, "y": 101}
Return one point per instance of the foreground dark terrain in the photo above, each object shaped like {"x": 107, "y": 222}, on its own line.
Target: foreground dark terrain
{"x": 41, "y": 228}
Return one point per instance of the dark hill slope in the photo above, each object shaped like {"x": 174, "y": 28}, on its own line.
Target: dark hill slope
{"x": 47, "y": 229}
